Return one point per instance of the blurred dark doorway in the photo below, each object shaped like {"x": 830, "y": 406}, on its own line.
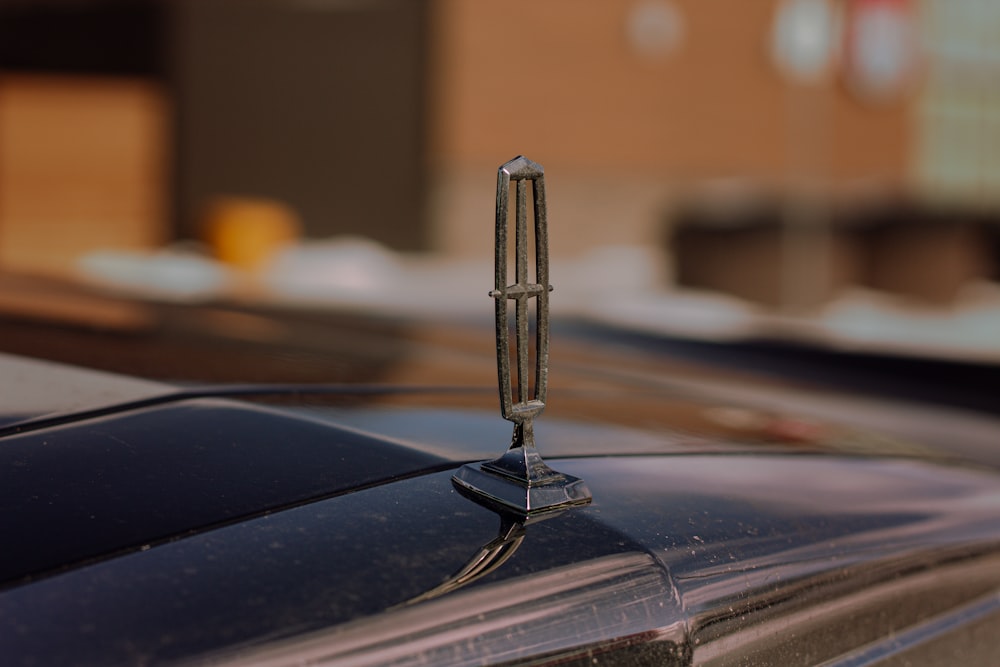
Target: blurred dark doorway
{"x": 319, "y": 103}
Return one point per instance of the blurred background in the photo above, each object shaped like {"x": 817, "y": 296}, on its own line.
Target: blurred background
{"x": 818, "y": 171}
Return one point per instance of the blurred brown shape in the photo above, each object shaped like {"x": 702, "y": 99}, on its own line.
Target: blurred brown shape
{"x": 929, "y": 260}
{"x": 746, "y": 251}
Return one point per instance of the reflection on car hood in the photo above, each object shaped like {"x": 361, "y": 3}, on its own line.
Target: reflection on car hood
{"x": 33, "y": 389}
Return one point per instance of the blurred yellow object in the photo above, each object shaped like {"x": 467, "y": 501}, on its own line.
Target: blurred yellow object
{"x": 246, "y": 232}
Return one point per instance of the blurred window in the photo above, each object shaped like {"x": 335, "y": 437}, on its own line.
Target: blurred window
{"x": 958, "y": 120}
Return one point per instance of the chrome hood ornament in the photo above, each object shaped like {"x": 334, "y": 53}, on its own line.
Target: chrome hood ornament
{"x": 520, "y": 481}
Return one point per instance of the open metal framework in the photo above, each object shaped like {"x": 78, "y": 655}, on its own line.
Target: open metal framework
{"x": 520, "y": 480}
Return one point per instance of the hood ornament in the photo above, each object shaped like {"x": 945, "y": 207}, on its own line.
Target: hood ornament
{"x": 520, "y": 481}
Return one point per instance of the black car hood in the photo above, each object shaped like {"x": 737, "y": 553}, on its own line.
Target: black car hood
{"x": 96, "y": 486}
{"x": 100, "y": 464}
{"x": 152, "y": 525}
{"x": 675, "y": 551}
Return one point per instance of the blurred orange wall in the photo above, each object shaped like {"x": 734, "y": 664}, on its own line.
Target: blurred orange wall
{"x": 624, "y": 135}
{"x": 559, "y": 81}
{"x": 83, "y": 166}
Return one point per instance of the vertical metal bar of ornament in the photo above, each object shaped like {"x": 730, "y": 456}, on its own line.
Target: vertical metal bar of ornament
{"x": 521, "y": 319}
{"x": 500, "y": 295}
{"x": 542, "y": 300}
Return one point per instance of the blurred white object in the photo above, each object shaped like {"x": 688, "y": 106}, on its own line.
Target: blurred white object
{"x": 654, "y": 28}
{"x": 607, "y": 274}
{"x": 348, "y": 269}
{"x": 881, "y": 49}
{"x": 696, "y": 314}
{"x": 362, "y": 274}
{"x": 880, "y": 322}
{"x": 626, "y": 286}
{"x": 805, "y": 38}
{"x": 174, "y": 274}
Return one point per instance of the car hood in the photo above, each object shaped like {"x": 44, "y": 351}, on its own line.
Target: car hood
{"x": 193, "y": 522}
{"x": 675, "y": 555}
{"x": 109, "y": 464}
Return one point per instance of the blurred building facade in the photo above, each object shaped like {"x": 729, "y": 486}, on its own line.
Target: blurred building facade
{"x": 780, "y": 149}
{"x": 122, "y": 121}
{"x": 628, "y": 126}
{"x": 777, "y": 149}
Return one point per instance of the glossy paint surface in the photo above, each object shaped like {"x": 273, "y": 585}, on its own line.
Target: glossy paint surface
{"x": 97, "y": 486}
{"x": 128, "y": 479}
{"x": 705, "y": 557}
